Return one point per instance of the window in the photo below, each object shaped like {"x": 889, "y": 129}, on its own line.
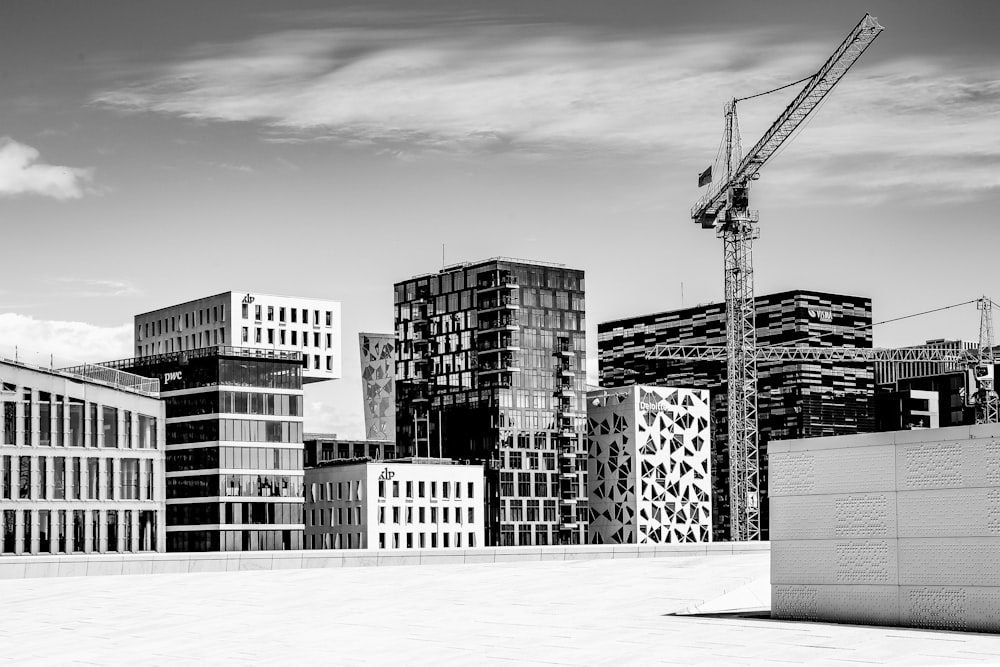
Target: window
{"x": 381, "y": 488}
{"x": 270, "y": 336}
{"x": 329, "y": 318}
{"x": 409, "y": 515}
{"x": 420, "y": 489}
{"x": 246, "y": 311}
{"x": 444, "y": 515}
{"x": 395, "y": 489}
{"x": 470, "y": 492}
{"x": 256, "y": 337}
{"x": 409, "y": 489}
{"x": 270, "y": 313}
{"x": 305, "y": 316}
{"x": 281, "y": 314}
{"x": 421, "y": 515}
{"x": 395, "y": 515}
{"x": 434, "y": 515}
{"x": 434, "y": 489}
{"x": 381, "y": 536}
{"x": 294, "y": 312}
{"x": 246, "y": 334}
{"x": 256, "y": 313}
{"x": 381, "y": 515}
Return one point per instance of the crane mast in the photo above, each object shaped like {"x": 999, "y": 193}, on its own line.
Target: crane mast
{"x": 987, "y": 403}
{"x": 726, "y": 208}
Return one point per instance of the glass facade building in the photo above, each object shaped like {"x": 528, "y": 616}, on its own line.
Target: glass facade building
{"x": 234, "y": 447}
{"x": 794, "y": 399}
{"x": 491, "y": 366}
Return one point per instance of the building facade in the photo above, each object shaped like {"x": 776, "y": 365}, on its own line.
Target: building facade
{"x": 309, "y": 327}
{"x": 234, "y": 455}
{"x": 891, "y": 371}
{"x": 491, "y": 369}
{"x": 649, "y": 465}
{"x": 81, "y": 461}
{"x": 906, "y": 409}
{"x": 401, "y": 504}
{"x": 378, "y": 384}
{"x": 322, "y": 448}
{"x": 794, "y": 399}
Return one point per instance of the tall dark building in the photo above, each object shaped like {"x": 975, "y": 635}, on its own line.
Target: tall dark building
{"x": 491, "y": 368}
{"x": 234, "y": 446}
{"x": 795, "y": 400}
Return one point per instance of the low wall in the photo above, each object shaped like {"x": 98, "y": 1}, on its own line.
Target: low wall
{"x": 19, "y": 567}
{"x": 899, "y": 528}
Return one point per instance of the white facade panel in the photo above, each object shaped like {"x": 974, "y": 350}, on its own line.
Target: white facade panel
{"x": 898, "y": 528}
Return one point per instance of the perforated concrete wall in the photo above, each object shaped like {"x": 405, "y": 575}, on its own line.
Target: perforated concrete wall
{"x": 898, "y": 528}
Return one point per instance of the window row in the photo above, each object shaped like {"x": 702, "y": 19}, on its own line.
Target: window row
{"x": 287, "y": 337}
{"x": 321, "y": 491}
{"x": 448, "y": 489}
{"x": 77, "y": 531}
{"x": 234, "y": 540}
{"x": 234, "y": 513}
{"x": 49, "y": 422}
{"x": 421, "y": 514}
{"x": 244, "y": 458}
{"x": 76, "y": 478}
{"x": 261, "y": 486}
{"x": 199, "y": 317}
{"x": 234, "y": 402}
{"x": 425, "y": 540}
{"x": 546, "y": 485}
{"x": 293, "y": 314}
{"x": 234, "y": 430}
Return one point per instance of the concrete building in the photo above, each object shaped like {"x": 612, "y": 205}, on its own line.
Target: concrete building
{"x": 899, "y": 410}
{"x": 234, "y": 446}
{"x": 322, "y": 448}
{"x": 402, "y": 504}
{"x": 309, "y": 327}
{"x": 795, "y": 400}
{"x": 491, "y": 368}
{"x": 896, "y": 528}
{"x": 378, "y": 384}
{"x": 648, "y": 465}
{"x": 81, "y": 461}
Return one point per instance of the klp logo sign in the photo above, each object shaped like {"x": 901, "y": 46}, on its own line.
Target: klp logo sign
{"x": 173, "y": 376}
{"x": 386, "y": 475}
{"x": 821, "y": 315}
{"x": 248, "y": 299}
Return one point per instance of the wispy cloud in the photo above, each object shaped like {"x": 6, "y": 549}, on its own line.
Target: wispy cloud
{"x": 544, "y": 89}
{"x": 87, "y": 287}
{"x": 21, "y": 173}
{"x": 60, "y": 343}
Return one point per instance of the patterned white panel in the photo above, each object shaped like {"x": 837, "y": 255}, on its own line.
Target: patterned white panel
{"x": 855, "y": 515}
{"x": 948, "y": 464}
{"x": 867, "y": 562}
{"x": 971, "y": 608}
{"x": 949, "y": 513}
{"x": 869, "y": 605}
{"x": 854, "y": 470}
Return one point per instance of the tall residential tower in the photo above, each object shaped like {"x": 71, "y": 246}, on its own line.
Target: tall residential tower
{"x": 491, "y": 368}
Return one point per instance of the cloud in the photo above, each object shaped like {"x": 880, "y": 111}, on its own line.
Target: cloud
{"x": 65, "y": 343}
{"x": 570, "y": 91}
{"x": 22, "y": 174}
{"x": 85, "y": 287}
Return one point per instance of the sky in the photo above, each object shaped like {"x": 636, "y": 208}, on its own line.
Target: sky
{"x": 155, "y": 152}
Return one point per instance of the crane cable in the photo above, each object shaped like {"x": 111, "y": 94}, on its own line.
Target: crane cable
{"x": 774, "y": 90}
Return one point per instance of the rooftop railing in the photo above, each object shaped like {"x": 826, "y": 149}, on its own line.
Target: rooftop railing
{"x": 96, "y": 373}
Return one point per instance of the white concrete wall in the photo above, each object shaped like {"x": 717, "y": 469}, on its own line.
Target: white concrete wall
{"x": 898, "y": 528}
{"x": 26, "y": 567}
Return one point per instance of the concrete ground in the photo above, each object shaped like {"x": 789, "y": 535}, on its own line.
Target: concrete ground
{"x": 592, "y": 612}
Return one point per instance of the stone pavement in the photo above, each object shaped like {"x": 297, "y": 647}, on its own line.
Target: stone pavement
{"x": 591, "y": 612}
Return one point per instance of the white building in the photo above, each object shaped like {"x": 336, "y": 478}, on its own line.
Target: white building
{"x": 648, "y": 465}
{"x": 245, "y": 319}
{"x": 418, "y": 503}
{"x": 81, "y": 461}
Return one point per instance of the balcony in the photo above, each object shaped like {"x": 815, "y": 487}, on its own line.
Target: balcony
{"x": 498, "y": 324}
{"x": 568, "y": 451}
{"x": 496, "y": 343}
{"x": 568, "y": 523}
{"x": 502, "y": 302}
{"x": 498, "y": 280}
{"x": 563, "y": 349}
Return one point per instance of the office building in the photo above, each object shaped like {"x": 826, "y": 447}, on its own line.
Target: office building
{"x": 309, "y": 327}
{"x": 648, "y": 465}
{"x": 891, "y": 371}
{"x": 401, "y": 504}
{"x": 794, "y": 399}
{"x": 234, "y": 446}
{"x": 378, "y": 385}
{"x": 322, "y": 448}
{"x": 81, "y": 461}
{"x": 905, "y": 409}
{"x": 491, "y": 369}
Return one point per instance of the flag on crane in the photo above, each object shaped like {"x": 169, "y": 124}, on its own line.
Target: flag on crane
{"x": 705, "y": 177}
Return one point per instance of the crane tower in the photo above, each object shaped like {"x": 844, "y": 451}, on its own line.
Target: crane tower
{"x": 726, "y": 208}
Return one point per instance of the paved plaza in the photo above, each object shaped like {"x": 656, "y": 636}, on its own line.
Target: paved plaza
{"x": 588, "y": 612}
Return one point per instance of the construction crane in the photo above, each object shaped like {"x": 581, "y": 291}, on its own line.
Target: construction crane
{"x": 726, "y": 209}
{"x": 985, "y": 397}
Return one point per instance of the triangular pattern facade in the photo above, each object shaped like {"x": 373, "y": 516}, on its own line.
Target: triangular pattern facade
{"x": 378, "y": 368}
{"x": 649, "y": 471}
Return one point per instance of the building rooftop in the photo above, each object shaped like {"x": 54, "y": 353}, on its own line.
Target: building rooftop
{"x": 584, "y": 612}
{"x": 213, "y": 351}
{"x": 256, "y": 294}
{"x": 97, "y": 374}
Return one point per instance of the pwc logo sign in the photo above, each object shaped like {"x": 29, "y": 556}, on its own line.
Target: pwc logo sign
{"x": 173, "y": 376}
